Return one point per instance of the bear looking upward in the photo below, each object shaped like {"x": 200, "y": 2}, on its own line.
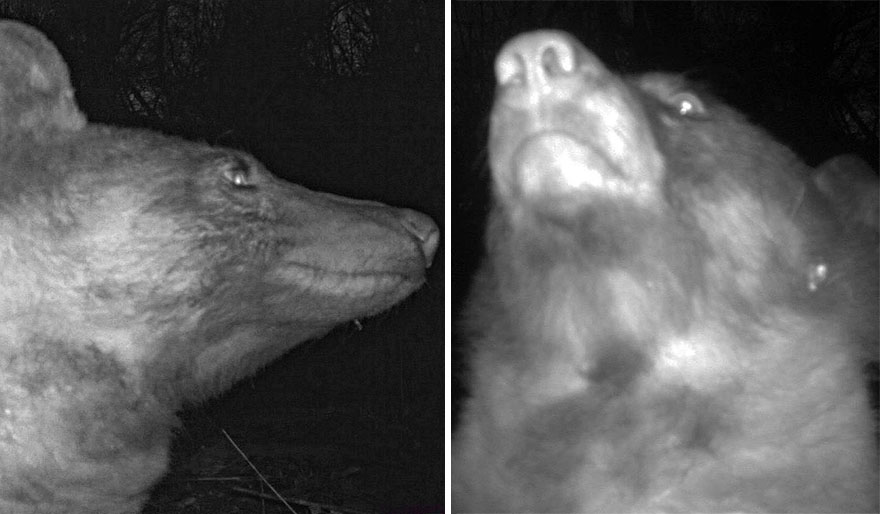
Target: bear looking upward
{"x": 672, "y": 315}
{"x": 140, "y": 272}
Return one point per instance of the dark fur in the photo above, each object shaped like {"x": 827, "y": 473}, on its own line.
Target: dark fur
{"x": 664, "y": 347}
{"x": 140, "y": 272}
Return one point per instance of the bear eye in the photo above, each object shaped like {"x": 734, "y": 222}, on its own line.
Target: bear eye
{"x": 239, "y": 178}
{"x": 238, "y": 173}
{"x": 687, "y": 104}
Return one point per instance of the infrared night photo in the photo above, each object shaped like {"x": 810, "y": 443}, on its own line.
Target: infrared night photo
{"x": 673, "y": 312}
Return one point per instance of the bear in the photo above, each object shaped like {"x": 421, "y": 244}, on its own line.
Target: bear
{"x": 142, "y": 272}
{"x": 674, "y": 312}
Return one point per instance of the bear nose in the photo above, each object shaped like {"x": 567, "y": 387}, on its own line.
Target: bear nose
{"x": 425, "y": 231}
{"x": 540, "y": 62}
{"x": 534, "y": 59}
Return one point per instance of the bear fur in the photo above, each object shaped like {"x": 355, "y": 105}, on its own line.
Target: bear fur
{"x": 674, "y": 312}
{"x": 141, "y": 272}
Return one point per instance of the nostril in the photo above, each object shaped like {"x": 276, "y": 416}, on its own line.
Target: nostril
{"x": 425, "y": 231}
{"x": 557, "y": 58}
{"x": 509, "y": 68}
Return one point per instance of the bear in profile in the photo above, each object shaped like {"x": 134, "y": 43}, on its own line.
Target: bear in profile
{"x": 141, "y": 272}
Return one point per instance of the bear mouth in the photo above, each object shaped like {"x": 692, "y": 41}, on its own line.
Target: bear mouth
{"x": 556, "y": 162}
{"x": 345, "y": 283}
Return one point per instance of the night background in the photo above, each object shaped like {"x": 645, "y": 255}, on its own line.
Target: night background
{"x": 338, "y": 96}
{"x": 805, "y": 71}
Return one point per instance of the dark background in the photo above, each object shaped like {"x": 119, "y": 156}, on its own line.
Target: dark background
{"x": 341, "y": 96}
{"x": 806, "y": 71}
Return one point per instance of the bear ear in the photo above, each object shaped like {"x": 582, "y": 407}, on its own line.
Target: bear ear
{"x": 36, "y": 100}
{"x": 853, "y": 189}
